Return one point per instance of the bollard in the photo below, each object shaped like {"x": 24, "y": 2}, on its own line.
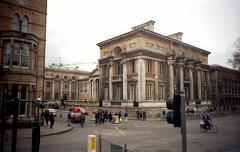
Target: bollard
{"x": 92, "y": 143}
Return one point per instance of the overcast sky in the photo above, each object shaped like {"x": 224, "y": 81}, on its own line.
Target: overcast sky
{"x": 75, "y": 26}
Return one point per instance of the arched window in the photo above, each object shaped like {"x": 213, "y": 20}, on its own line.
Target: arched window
{"x": 25, "y": 55}
{"x": 16, "y": 22}
{"x": 25, "y": 24}
{"x": 117, "y": 51}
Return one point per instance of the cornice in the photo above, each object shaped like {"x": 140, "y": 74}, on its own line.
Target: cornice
{"x": 145, "y": 32}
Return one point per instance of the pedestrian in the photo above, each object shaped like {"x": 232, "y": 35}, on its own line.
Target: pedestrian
{"x": 164, "y": 113}
{"x": 144, "y": 115}
{"x": 138, "y": 114}
{"x": 119, "y": 115}
{"x": 126, "y": 116}
{"x": 51, "y": 119}
{"x": 69, "y": 116}
{"x": 110, "y": 117}
{"x": 105, "y": 115}
{"x": 46, "y": 117}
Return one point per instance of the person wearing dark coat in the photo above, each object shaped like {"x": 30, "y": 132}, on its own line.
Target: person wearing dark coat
{"x": 51, "y": 119}
{"x": 46, "y": 117}
{"x": 110, "y": 117}
{"x": 144, "y": 115}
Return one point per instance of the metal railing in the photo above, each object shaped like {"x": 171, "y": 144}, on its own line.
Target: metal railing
{"x": 105, "y": 145}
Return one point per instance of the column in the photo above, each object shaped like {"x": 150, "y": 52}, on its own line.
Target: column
{"x": 110, "y": 80}
{"x": 191, "y": 84}
{"x": 77, "y": 98}
{"x": 139, "y": 84}
{"x": 143, "y": 81}
{"x": 61, "y": 88}
{"x": 70, "y": 90}
{"x": 124, "y": 80}
{"x": 199, "y": 85}
{"x": 171, "y": 75}
{"x": 53, "y": 89}
{"x": 181, "y": 65}
{"x": 156, "y": 81}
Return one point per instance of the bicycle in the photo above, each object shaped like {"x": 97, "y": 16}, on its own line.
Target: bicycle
{"x": 204, "y": 128}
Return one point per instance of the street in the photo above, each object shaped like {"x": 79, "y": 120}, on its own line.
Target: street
{"x": 150, "y": 136}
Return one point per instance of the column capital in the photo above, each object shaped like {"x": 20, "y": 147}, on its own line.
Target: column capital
{"x": 171, "y": 61}
{"x": 181, "y": 63}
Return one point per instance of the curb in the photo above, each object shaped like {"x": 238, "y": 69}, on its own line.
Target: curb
{"x": 60, "y": 132}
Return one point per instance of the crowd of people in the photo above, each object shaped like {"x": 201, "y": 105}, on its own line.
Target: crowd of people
{"x": 141, "y": 115}
{"x": 102, "y": 116}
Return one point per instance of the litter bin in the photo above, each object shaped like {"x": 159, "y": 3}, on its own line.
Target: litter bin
{"x": 116, "y": 119}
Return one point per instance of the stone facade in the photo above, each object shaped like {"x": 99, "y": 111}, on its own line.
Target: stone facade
{"x": 71, "y": 84}
{"x": 148, "y": 67}
{"x": 22, "y": 49}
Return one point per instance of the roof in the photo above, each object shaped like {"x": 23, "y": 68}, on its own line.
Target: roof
{"x": 65, "y": 69}
{"x": 142, "y": 31}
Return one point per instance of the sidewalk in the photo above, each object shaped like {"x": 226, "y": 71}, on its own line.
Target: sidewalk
{"x": 58, "y": 128}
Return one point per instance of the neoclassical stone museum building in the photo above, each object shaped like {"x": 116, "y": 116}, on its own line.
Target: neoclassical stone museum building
{"x": 144, "y": 66}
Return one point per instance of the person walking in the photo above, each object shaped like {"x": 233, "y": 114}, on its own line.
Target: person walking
{"x": 46, "y": 117}
{"x": 144, "y": 115}
{"x": 110, "y": 117}
{"x": 51, "y": 119}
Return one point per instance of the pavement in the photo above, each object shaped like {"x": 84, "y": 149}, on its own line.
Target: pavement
{"x": 58, "y": 128}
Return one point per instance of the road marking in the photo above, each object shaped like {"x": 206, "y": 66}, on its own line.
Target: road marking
{"x": 120, "y": 131}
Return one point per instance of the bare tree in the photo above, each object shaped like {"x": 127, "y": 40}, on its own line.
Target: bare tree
{"x": 235, "y": 59}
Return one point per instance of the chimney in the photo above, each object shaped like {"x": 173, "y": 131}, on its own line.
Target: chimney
{"x": 176, "y": 36}
{"x": 148, "y": 25}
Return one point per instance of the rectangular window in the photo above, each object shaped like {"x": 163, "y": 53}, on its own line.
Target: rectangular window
{"x": 160, "y": 67}
{"x": 48, "y": 84}
{"x": 149, "y": 66}
{"x": 133, "y": 66}
{"x": 118, "y": 68}
{"x": 16, "y": 55}
{"x": 105, "y": 71}
{"x": 48, "y": 96}
{"x": 7, "y": 53}
{"x": 161, "y": 92}
{"x": 150, "y": 90}
{"x": 56, "y": 96}
{"x": 25, "y": 55}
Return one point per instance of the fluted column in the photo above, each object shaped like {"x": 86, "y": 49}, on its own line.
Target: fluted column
{"x": 70, "y": 90}
{"x": 124, "y": 80}
{"x": 171, "y": 76}
{"x": 77, "y": 93}
{"x": 61, "y": 88}
{"x": 199, "y": 85}
{"x": 110, "y": 81}
{"x": 53, "y": 90}
{"x": 191, "y": 83}
{"x": 181, "y": 65}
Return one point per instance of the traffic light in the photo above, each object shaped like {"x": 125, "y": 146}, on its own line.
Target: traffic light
{"x": 174, "y": 117}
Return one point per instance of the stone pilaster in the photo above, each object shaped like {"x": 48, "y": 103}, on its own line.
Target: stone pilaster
{"x": 124, "y": 80}
{"x": 77, "y": 93}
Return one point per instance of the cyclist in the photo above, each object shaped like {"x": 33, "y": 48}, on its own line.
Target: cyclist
{"x": 206, "y": 119}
